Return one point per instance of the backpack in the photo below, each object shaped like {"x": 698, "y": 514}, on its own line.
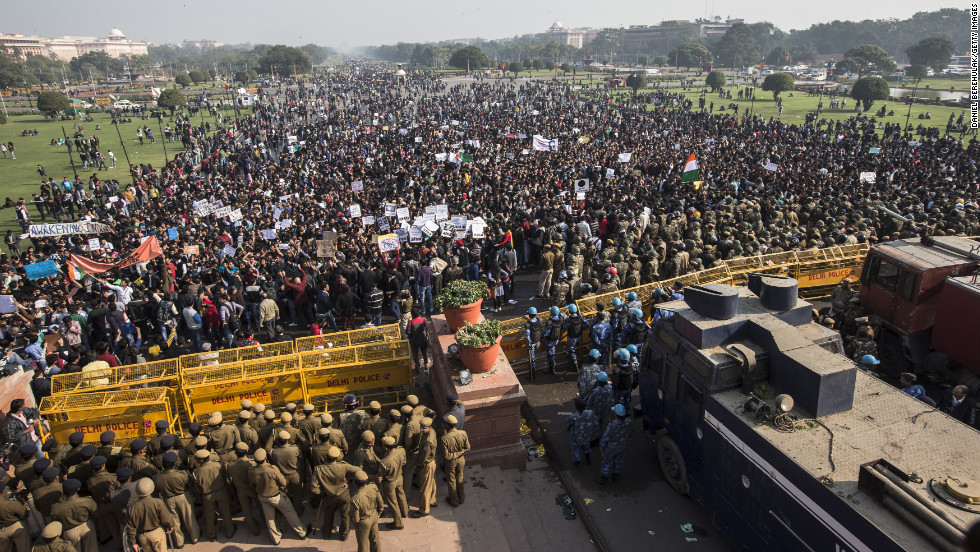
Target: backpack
{"x": 165, "y": 314}
{"x": 536, "y": 330}
{"x": 416, "y": 334}
{"x": 234, "y": 321}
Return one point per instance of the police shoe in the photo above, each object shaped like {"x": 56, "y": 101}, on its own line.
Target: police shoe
{"x": 394, "y": 527}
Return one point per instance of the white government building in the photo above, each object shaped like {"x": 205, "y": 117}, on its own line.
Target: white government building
{"x": 66, "y": 47}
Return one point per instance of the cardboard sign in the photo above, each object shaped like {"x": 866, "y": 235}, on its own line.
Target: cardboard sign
{"x": 581, "y": 185}
{"x": 330, "y": 245}
{"x": 192, "y": 250}
{"x": 7, "y": 305}
{"x": 235, "y": 215}
{"x": 390, "y": 209}
{"x": 268, "y": 234}
{"x": 357, "y": 186}
{"x": 94, "y": 244}
{"x": 868, "y": 177}
{"x": 388, "y": 242}
{"x": 429, "y": 228}
{"x": 448, "y": 228}
{"x": 415, "y": 234}
{"x": 367, "y": 220}
{"x": 402, "y": 213}
{"x": 229, "y": 251}
{"x": 477, "y": 229}
{"x": 383, "y": 224}
{"x": 172, "y": 233}
{"x": 459, "y": 223}
{"x": 223, "y": 212}
{"x": 42, "y": 269}
{"x": 442, "y": 212}
{"x": 355, "y": 211}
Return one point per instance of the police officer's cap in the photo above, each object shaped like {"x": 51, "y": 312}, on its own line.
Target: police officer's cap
{"x": 394, "y": 414}
{"x": 202, "y": 454}
{"x": 332, "y": 452}
{"x": 71, "y": 486}
{"x": 200, "y": 441}
{"x": 637, "y": 313}
{"x": 145, "y": 486}
{"x": 124, "y": 473}
{"x": 350, "y": 398}
{"x": 193, "y": 428}
{"x": 326, "y": 418}
{"x": 631, "y": 348}
{"x": 76, "y": 438}
{"x": 631, "y": 296}
{"x": 412, "y": 400}
{"x": 308, "y": 407}
{"x": 50, "y": 474}
{"x": 361, "y": 476}
{"x": 451, "y": 420}
{"x": 602, "y": 376}
{"x": 170, "y": 458}
{"x": 51, "y": 530}
{"x": 246, "y": 404}
{"x": 623, "y": 354}
{"x": 426, "y": 422}
{"x": 244, "y": 415}
{"x": 137, "y": 445}
{"x": 406, "y": 409}
{"x": 43, "y": 464}
{"x": 242, "y": 447}
{"x": 374, "y": 405}
{"x": 554, "y": 311}
{"x": 88, "y": 451}
{"x": 108, "y": 437}
{"x": 97, "y": 462}
{"x": 260, "y": 455}
{"x": 617, "y": 301}
{"x": 291, "y": 407}
{"x": 284, "y": 435}
{"x": 48, "y": 445}
{"x": 286, "y": 417}
{"x": 367, "y": 436}
{"x": 215, "y": 419}
{"x": 26, "y": 451}
{"x": 259, "y": 408}
{"x": 270, "y": 415}
{"x": 388, "y": 440}
{"x": 594, "y": 353}
{"x": 161, "y": 424}
{"x": 168, "y": 441}
{"x": 323, "y": 431}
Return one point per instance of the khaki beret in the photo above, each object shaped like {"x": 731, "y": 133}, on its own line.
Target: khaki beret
{"x": 290, "y": 406}
{"x": 406, "y": 409}
{"x": 361, "y": 476}
{"x": 259, "y": 408}
{"x": 245, "y": 415}
{"x": 451, "y": 420}
{"x": 395, "y": 413}
{"x": 270, "y": 415}
{"x": 241, "y": 446}
{"x": 286, "y": 417}
{"x": 202, "y": 454}
{"x": 426, "y": 422}
{"x": 375, "y": 405}
{"x": 51, "y": 530}
{"x": 326, "y": 418}
{"x": 308, "y": 407}
{"x": 260, "y": 455}
{"x": 333, "y": 452}
{"x": 368, "y": 435}
{"x": 387, "y": 440}
{"x": 215, "y": 419}
{"x": 284, "y": 435}
{"x": 324, "y": 431}
{"x": 246, "y": 404}
{"x": 201, "y": 441}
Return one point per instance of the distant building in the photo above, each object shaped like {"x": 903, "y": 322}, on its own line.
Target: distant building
{"x": 201, "y": 44}
{"x": 571, "y": 37}
{"x": 66, "y": 47}
{"x": 710, "y": 28}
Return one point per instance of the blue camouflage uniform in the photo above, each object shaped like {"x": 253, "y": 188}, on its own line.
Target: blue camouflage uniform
{"x": 552, "y": 335}
{"x": 601, "y": 338}
{"x": 618, "y": 318}
{"x": 613, "y": 445}
{"x": 574, "y": 326}
{"x": 601, "y": 400}
{"x": 587, "y": 378}
{"x": 533, "y": 330}
{"x": 583, "y": 428}
{"x": 636, "y": 334}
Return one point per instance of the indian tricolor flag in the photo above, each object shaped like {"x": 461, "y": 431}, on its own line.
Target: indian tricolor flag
{"x": 76, "y": 271}
{"x": 691, "y": 172}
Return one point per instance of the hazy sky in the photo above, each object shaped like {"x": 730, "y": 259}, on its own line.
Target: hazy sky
{"x": 351, "y": 24}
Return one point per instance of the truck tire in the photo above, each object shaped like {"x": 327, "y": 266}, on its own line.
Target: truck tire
{"x": 672, "y": 463}
{"x": 892, "y": 357}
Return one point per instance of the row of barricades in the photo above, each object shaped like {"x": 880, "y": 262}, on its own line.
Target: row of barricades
{"x": 373, "y": 362}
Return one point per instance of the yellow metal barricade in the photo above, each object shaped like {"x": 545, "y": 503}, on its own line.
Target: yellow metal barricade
{"x": 130, "y": 413}
{"x": 388, "y": 332}
{"x": 238, "y": 354}
{"x": 379, "y": 371}
{"x": 272, "y": 381}
{"x": 161, "y": 373}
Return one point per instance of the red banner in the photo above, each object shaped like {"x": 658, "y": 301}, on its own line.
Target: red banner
{"x": 150, "y": 249}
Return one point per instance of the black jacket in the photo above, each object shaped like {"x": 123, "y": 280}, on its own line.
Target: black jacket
{"x": 965, "y": 412}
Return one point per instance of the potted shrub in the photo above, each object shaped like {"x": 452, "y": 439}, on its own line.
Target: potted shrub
{"x": 460, "y": 302}
{"x": 479, "y": 345}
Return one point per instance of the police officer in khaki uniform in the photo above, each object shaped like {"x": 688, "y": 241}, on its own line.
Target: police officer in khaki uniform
{"x": 390, "y": 474}
{"x": 38, "y": 468}
{"x": 337, "y": 438}
{"x": 223, "y": 438}
{"x": 168, "y": 444}
{"x": 374, "y": 422}
{"x": 331, "y": 494}
{"x": 285, "y": 424}
{"x": 247, "y": 434}
{"x": 285, "y": 456}
{"x": 210, "y": 480}
{"x": 238, "y": 473}
{"x": 425, "y": 468}
{"x": 318, "y": 452}
{"x": 174, "y": 487}
{"x": 394, "y": 426}
{"x": 268, "y": 430}
{"x": 14, "y": 535}
{"x": 108, "y": 450}
{"x": 49, "y": 494}
{"x": 149, "y": 520}
{"x": 365, "y": 458}
{"x": 455, "y": 443}
{"x": 24, "y": 472}
{"x": 258, "y": 417}
{"x": 75, "y": 514}
{"x": 82, "y": 470}
{"x": 74, "y": 454}
{"x": 411, "y": 431}
{"x": 366, "y": 506}
{"x": 162, "y": 428}
{"x": 51, "y": 534}
{"x": 309, "y": 426}
{"x": 269, "y": 484}
{"x": 100, "y": 487}
{"x": 137, "y": 462}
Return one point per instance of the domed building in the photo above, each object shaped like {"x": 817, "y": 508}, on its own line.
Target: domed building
{"x": 115, "y": 44}
{"x": 572, "y": 37}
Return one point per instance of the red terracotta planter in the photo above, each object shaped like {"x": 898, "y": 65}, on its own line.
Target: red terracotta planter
{"x": 480, "y": 359}
{"x": 458, "y": 317}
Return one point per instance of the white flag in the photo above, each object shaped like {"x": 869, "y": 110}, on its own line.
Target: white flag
{"x": 625, "y": 157}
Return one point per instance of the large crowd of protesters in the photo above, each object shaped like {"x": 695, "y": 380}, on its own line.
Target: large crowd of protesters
{"x": 335, "y": 155}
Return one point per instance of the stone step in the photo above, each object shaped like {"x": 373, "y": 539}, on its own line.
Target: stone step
{"x": 480, "y": 497}
{"x": 541, "y": 489}
{"x": 475, "y": 517}
{"x": 514, "y": 521}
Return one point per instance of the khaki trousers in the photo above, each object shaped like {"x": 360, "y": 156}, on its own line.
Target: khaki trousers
{"x": 153, "y": 541}
{"x": 15, "y": 538}
{"x": 280, "y": 502}
{"x": 182, "y": 510}
{"x": 426, "y": 474}
{"x": 394, "y": 497}
{"x": 82, "y": 537}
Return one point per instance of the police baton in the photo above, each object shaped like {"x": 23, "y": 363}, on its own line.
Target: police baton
{"x": 311, "y": 527}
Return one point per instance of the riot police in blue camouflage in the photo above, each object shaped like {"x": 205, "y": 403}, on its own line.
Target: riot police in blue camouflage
{"x": 583, "y": 428}
{"x": 613, "y": 444}
{"x": 633, "y": 302}
{"x": 350, "y": 421}
{"x": 618, "y": 318}
{"x": 533, "y": 330}
{"x": 601, "y": 398}
{"x": 552, "y": 335}
{"x": 575, "y": 324}
{"x": 588, "y": 374}
{"x": 636, "y": 330}
{"x": 621, "y": 377}
{"x": 661, "y": 296}
{"x": 601, "y": 336}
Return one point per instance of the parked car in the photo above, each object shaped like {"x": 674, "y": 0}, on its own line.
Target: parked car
{"x": 123, "y": 104}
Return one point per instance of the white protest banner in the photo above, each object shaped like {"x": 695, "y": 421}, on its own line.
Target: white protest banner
{"x": 625, "y": 157}
{"x": 284, "y": 246}
{"x": 192, "y": 250}
{"x": 268, "y": 234}
{"x": 44, "y": 230}
{"x": 94, "y": 244}
{"x": 390, "y": 209}
{"x": 216, "y": 204}
{"x": 367, "y": 219}
{"x": 430, "y": 209}
{"x": 388, "y": 242}
{"x": 770, "y": 166}
{"x": 610, "y": 173}
{"x": 383, "y": 224}
{"x": 429, "y": 216}
{"x": 868, "y": 177}
{"x": 355, "y": 210}
{"x": 478, "y": 229}
{"x": 402, "y": 234}
{"x": 357, "y": 186}
{"x": 448, "y": 228}
{"x": 442, "y": 212}
{"x": 568, "y": 208}
{"x": 40, "y": 303}
{"x": 402, "y": 213}
{"x": 229, "y": 251}
{"x": 418, "y": 139}
{"x": 581, "y": 185}
{"x": 7, "y": 305}
{"x": 415, "y": 234}
{"x": 429, "y": 228}
{"x": 459, "y": 223}
{"x": 277, "y": 213}
{"x": 222, "y": 212}
{"x": 235, "y": 215}
{"x": 579, "y": 195}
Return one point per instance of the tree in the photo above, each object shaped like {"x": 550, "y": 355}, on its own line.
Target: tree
{"x": 318, "y": 54}
{"x": 805, "y": 51}
{"x": 845, "y": 66}
{"x": 691, "y": 53}
{"x": 715, "y": 79}
{"x": 286, "y": 60}
{"x": 767, "y": 36}
{"x": 252, "y": 74}
{"x": 660, "y": 61}
{"x": 868, "y": 89}
{"x": 171, "y": 99}
{"x": 52, "y": 102}
{"x": 3, "y": 118}
{"x": 868, "y": 58}
{"x": 184, "y": 80}
{"x": 515, "y": 67}
{"x": 636, "y": 81}
{"x": 469, "y": 57}
{"x": 566, "y": 67}
{"x": 917, "y": 72}
{"x": 199, "y": 76}
{"x": 778, "y": 57}
{"x": 932, "y": 52}
{"x": 643, "y": 61}
{"x": 242, "y": 77}
{"x": 549, "y": 65}
{"x": 11, "y": 73}
{"x": 738, "y": 45}
{"x": 537, "y": 64}
{"x": 607, "y": 41}
{"x": 778, "y": 82}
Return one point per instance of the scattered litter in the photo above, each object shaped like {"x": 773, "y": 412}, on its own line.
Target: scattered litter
{"x": 609, "y": 509}
{"x": 564, "y": 413}
{"x": 687, "y": 528}
{"x": 524, "y": 428}
{"x": 691, "y": 539}
{"x": 567, "y": 508}
{"x": 660, "y": 511}
{"x": 588, "y": 501}
{"x": 535, "y": 451}
{"x": 650, "y": 533}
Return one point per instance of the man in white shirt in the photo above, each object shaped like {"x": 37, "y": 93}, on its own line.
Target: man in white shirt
{"x": 124, "y": 293}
